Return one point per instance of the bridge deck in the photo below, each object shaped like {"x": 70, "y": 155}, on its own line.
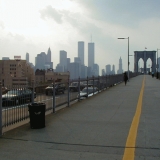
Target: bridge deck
{"x": 96, "y": 128}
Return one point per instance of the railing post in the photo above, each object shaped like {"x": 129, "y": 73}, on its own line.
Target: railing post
{"x": 93, "y": 85}
{"x": 54, "y": 97}
{"x": 98, "y": 84}
{"x": 68, "y": 92}
{"x": 0, "y": 108}
{"x": 79, "y": 89}
{"x": 33, "y": 89}
{"x": 87, "y": 86}
{"x": 106, "y": 81}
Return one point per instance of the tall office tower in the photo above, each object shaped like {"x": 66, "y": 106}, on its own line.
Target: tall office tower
{"x": 74, "y": 69}
{"x": 63, "y": 60}
{"x": 81, "y": 51}
{"x": 59, "y": 68}
{"x": 77, "y": 59}
{"x": 90, "y": 54}
{"x": 40, "y": 61}
{"x": 95, "y": 70}
{"x": 83, "y": 71}
{"x": 108, "y": 69}
{"x": 103, "y": 72}
{"x": 27, "y": 57}
{"x": 120, "y": 71}
{"x": 113, "y": 69}
{"x": 48, "y": 59}
{"x": 68, "y": 62}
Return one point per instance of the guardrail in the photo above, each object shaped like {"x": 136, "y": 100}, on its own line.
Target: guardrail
{"x": 14, "y": 103}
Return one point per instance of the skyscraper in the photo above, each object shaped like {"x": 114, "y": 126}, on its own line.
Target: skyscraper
{"x": 81, "y": 51}
{"x": 113, "y": 69}
{"x": 27, "y": 57}
{"x": 74, "y": 69}
{"x": 48, "y": 59}
{"x": 108, "y": 69}
{"x": 63, "y": 60}
{"x": 90, "y": 54}
{"x": 120, "y": 67}
{"x": 77, "y": 59}
{"x": 40, "y": 61}
{"x": 95, "y": 70}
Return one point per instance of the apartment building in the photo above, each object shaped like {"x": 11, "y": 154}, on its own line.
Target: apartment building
{"x": 16, "y": 73}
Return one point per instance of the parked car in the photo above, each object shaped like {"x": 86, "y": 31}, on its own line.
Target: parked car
{"x": 59, "y": 88}
{"x": 94, "y": 83}
{"x": 75, "y": 86}
{"x": 4, "y": 90}
{"x": 91, "y": 91}
{"x": 17, "y": 96}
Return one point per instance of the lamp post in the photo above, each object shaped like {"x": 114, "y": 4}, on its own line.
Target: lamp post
{"x": 128, "y": 55}
{"x": 157, "y": 63}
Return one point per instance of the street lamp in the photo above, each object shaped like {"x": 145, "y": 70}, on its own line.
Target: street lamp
{"x": 157, "y": 63}
{"x": 128, "y": 55}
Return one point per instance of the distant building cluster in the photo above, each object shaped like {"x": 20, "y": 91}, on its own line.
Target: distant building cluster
{"x": 78, "y": 68}
{"x": 23, "y": 72}
{"x": 43, "y": 60}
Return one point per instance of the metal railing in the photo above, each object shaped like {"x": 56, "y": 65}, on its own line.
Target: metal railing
{"x": 14, "y": 101}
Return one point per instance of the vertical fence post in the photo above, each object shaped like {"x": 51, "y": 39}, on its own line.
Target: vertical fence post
{"x": 93, "y": 85}
{"x": 68, "y": 92}
{"x": 98, "y": 84}
{"x": 54, "y": 97}
{"x": 79, "y": 89}
{"x": 33, "y": 90}
{"x": 0, "y": 108}
{"x": 106, "y": 81}
{"x": 87, "y": 86}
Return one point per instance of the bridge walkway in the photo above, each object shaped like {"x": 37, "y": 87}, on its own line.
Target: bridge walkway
{"x": 119, "y": 123}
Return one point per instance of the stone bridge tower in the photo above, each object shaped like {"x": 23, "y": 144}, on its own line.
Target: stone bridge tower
{"x": 145, "y": 55}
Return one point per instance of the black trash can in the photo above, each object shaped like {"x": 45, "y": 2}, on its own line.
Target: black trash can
{"x": 37, "y": 115}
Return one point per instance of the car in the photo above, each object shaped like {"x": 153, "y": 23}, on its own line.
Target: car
{"x": 17, "y": 96}
{"x": 75, "y": 86}
{"x": 94, "y": 83}
{"x": 91, "y": 91}
{"x": 59, "y": 88}
{"x": 4, "y": 90}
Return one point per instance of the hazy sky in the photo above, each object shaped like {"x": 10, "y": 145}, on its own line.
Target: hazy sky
{"x": 35, "y": 25}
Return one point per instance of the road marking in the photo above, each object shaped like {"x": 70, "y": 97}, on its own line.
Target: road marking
{"x": 131, "y": 139}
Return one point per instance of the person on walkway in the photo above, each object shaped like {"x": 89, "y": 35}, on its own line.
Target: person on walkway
{"x": 125, "y": 78}
{"x": 152, "y": 74}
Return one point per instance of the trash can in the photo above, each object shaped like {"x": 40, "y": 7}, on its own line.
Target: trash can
{"x": 37, "y": 115}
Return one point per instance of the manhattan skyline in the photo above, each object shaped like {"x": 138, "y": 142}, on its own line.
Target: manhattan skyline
{"x": 32, "y": 27}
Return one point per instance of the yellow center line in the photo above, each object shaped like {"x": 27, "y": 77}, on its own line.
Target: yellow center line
{"x": 131, "y": 139}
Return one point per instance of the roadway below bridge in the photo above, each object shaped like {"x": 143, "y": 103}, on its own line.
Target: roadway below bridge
{"x": 120, "y": 123}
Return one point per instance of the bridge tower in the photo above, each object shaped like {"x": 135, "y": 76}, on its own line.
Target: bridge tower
{"x": 145, "y": 55}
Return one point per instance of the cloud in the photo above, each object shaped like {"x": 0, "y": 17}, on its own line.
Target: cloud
{"x": 16, "y": 37}
{"x": 2, "y": 25}
{"x": 50, "y": 12}
{"x": 128, "y": 13}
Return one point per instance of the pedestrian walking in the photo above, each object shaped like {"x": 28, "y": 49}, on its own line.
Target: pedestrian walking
{"x": 125, "y": 78}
